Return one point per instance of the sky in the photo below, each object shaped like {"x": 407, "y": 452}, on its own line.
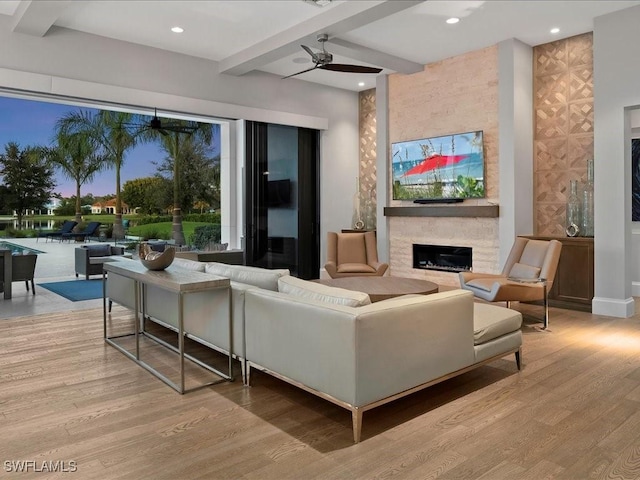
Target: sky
{"x": 31, "y": 123}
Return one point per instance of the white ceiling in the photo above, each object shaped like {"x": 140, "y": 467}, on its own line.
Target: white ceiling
{"x": 397, "y": 35}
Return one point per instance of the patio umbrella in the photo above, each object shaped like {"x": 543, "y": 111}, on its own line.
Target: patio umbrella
{"x": 433, "y": 162}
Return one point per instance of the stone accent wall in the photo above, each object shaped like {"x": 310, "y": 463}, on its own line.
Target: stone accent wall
{"x": 456, "y": 95}
{"x": 368, "y": 156}
{"x": 563, "y": 139}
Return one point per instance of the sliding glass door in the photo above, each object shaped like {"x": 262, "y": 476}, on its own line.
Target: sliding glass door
{"x": 282, "y": 203}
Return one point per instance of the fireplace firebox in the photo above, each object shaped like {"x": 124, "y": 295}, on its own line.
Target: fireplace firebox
{"x": 442, "y": 257}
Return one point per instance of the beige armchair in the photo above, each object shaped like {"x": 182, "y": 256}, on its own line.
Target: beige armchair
{"x": 527, "y": 275}
{"x": 353, "y": 255}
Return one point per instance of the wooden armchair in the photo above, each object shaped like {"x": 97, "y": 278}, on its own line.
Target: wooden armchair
{"x": 353, "y": 255}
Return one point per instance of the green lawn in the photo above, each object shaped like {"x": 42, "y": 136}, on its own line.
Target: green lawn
{"x": 163, "y": 230}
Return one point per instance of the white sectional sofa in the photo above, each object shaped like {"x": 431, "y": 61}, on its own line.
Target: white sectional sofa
{"x": 363, "y": 356}
{"x": 333, "y": 342}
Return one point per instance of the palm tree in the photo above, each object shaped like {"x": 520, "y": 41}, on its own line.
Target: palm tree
{"x": 77, "y": 156}
{"x": 116, "y": 134}
{"x": 178, "y": 146}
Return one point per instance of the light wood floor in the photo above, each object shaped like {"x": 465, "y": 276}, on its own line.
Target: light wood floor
{"x": 572, "y": 413}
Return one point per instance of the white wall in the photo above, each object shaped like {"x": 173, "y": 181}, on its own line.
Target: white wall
{"x": 515, "y": 90}
{"x": 616, "y": 88}
{"x": 79, "y": 65}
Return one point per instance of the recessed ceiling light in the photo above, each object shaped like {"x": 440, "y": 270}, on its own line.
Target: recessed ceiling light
{"x": 361, "y": 84}
{"x": 177, "y": 29}
{"x": 555, "y": 30}
{"x": 452, "y": 20}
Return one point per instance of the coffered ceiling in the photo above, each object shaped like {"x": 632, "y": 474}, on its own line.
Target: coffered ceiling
{"x": 396, "y": 35}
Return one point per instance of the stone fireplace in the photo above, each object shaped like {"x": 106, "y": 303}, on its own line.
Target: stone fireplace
{"x": 477, "y": 233}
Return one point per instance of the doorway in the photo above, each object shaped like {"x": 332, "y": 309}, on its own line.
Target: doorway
{"x": 282, "y": 205}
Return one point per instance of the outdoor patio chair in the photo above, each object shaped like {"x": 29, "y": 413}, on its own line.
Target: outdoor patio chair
{"x": 67, "y": 227}
{"x": 89, "y": 259}
{"x": 23, "y": 268}
{"x": 90, "y": 231}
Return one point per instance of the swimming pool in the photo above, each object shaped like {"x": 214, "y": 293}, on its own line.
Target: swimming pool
{"x": 17, "y": 248}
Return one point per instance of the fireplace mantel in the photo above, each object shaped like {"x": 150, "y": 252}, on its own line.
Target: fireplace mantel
{"x": 491, "y": 211}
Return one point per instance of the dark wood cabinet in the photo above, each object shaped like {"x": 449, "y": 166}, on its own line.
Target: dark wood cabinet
{"x": 573, "y": 285}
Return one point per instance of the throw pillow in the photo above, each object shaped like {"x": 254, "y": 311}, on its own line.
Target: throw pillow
{"x": 258, "y": 277}
{"x": 186, "y": 264}
{"x": 322, "y": 293}
{"x": 520, "y": 270}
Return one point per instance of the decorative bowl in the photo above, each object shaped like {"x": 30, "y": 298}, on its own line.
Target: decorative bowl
{"x": 156, "y": 260}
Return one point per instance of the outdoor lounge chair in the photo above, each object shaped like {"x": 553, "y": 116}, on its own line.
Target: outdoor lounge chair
{"x": 67, "y": 226}
{"x": 22, "y": 269}
{"x": 90, "y": 231}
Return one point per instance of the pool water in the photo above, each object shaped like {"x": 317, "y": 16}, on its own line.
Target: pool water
{"x": 17, "y": 248}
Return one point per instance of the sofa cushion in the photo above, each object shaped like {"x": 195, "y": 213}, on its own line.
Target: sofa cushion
{"x": 101, "y": 250}
{"x": 322, "y": 293}
{"x": 259, "y": 277}
{"x": 520, "y": 270}
{"x": 493, "y": 321}
{"x": 186, "y": 264}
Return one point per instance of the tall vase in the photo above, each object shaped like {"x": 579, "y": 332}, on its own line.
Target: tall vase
{"x": 587, "y": 203}
{"x": 573, "y": 225}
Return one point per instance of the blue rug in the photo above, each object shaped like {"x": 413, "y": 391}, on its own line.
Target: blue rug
{"x": 76, "y": 290}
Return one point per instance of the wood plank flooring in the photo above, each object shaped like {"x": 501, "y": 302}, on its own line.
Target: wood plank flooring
{"x": 572, "y": 413}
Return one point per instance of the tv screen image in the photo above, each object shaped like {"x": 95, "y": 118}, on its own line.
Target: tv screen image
{"x": 447, "y": 167}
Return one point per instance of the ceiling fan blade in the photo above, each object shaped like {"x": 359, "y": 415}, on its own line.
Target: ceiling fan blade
{"x": 303, "y": 71}
{"x": 314, "y": 56}
{"x": 342, "y": 67}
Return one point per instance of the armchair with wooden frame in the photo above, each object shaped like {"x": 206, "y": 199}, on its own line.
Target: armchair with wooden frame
{"x": 527, "y": 275}
{"x": 353, "y": 255}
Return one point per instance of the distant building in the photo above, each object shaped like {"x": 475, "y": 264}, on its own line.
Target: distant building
{"x": 108, "y": 207}
{"x": 48, "y": 209}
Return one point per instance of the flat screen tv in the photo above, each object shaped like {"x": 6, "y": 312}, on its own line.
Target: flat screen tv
{"x": 450, "y": 167}
{"x": 279, "y": 193}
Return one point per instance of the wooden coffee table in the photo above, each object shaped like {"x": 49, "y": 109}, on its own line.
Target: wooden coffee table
{"x": 381, "y": 288}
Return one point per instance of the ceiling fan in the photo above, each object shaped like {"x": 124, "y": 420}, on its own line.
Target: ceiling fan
{"x": 166, "y": 126}
{"x": 323, "y": 60}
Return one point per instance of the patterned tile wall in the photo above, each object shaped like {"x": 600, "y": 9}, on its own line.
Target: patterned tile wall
{"x": 563, "y": 136}
{"x": 367, "y": 170}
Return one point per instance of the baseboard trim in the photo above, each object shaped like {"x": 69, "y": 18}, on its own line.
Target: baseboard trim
{"x": 635, "y": 289}
{"x": 613, "y": 307}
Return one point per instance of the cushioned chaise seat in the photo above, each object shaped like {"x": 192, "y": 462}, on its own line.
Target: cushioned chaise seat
{"x": 490, "y": 321}
{"x": 495, "y": 329}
